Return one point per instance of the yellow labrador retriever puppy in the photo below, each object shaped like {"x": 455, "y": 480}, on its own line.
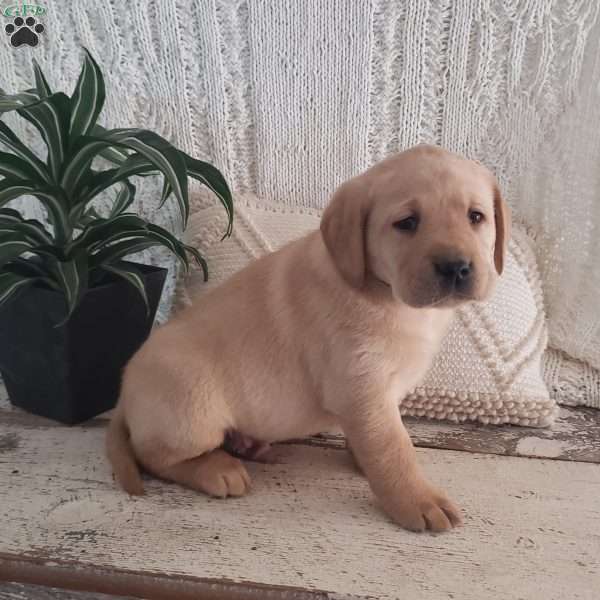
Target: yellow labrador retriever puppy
{"x": 334, "y": 328}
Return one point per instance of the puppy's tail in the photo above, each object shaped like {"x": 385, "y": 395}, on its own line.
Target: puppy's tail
{"x": 121, "y": 456}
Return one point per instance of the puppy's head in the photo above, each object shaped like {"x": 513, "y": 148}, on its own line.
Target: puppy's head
{"x": 428, "y": 223}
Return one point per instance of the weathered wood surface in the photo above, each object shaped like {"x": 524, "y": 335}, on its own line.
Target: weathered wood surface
{"x": 532, "y": 527}
{"x": 20, "y": 591}
{"x": 111, "y": 583}
{"x": 575, "y": 435}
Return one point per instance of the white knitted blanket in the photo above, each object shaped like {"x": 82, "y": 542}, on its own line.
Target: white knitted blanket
{"x": 289, "y": 98}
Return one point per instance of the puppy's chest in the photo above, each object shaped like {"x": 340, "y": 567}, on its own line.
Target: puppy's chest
{"x": 407, "y": 358}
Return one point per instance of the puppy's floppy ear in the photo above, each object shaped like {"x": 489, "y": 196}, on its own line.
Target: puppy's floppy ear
{"x": 343, "y": 229}
{"x": 502, "y": 221}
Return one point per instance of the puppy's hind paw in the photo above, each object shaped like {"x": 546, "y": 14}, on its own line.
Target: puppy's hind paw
{"x": 222, "y": 475}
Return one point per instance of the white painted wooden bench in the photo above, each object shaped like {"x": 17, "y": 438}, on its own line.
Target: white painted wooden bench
{"x": 310, "y": 527}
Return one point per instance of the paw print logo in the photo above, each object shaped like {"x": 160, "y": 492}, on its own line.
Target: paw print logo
{"x": 24, "y": 31}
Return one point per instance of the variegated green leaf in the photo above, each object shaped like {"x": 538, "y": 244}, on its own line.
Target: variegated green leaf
{"x": 137, "y": 241}
{"x": 116, "y": 252}
{"x": 77, "y": 171}
{"x": 88, "y": 216}
{"x": 55, "y": 204}
{"x": 199, "y": 259}
{"x": 10, "y": 214}
{"x": 168, "y": 240}
{"x": 72, "y": 276}
{"x": 114, "y": 155}
{"x": 10, "y": 284}
{"x": 9, "y": 190}
{"x": 126, "y": 235}
{"x": 13, "y": 246}
{"x": 132, "y": 276}
{"x": 87, "y": 99}
{"x": 77, "y": 167}
{"x": 32, "y": 268}
{"x": 75, "y": 215}
{"x": 10, "y": 141}
{"x": 42, "y": 87}
{"x": 50, "y": 198}
{"x": 135, "y": 165}
{"x": 50, "y": 116}
{"x": 212, "y": 178}
{"x": 125, "y": 197}
{"x": 33, "y": 229}
{"x": 166, "y": 192}
{"x": 107, "y": 231}
{"x": 13, "y": 167}
{"x": 10, "y": 102}
{"x": 165, "y": 157}
{"x": 7, "y": 105}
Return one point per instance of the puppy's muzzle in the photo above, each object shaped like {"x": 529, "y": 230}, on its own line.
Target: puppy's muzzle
{"x": 456, "y": 274}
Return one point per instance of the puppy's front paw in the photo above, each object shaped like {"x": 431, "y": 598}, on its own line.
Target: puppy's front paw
{"x": 423, "y": 507}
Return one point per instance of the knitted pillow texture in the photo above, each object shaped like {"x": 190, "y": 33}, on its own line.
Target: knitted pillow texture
{"x": 489, "y": 367}
{"x": 570, "y": 381}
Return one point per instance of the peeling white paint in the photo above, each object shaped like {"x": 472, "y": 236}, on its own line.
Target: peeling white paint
{"x": 535, "y": 446}
{"x": 310, "y": 522}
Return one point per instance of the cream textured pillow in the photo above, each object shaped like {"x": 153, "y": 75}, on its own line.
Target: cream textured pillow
{"x": 489, "y": 368}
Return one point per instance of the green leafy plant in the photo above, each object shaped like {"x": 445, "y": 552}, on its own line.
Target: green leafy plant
{"x": 78, "y": 247}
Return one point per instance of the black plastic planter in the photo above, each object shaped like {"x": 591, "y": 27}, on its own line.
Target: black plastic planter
{"x": 72, "y": 372}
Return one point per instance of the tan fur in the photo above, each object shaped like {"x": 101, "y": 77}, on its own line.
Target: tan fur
{"x": 121, "y": 456}
{"x": 332, "y": 329}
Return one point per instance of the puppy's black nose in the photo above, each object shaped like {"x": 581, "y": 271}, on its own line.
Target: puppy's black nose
{"x": 453, "y": 271}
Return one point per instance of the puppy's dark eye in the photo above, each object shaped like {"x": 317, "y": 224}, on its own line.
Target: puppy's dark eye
{"x": 476, "y": 217}
{"x": 408, "y": 224}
